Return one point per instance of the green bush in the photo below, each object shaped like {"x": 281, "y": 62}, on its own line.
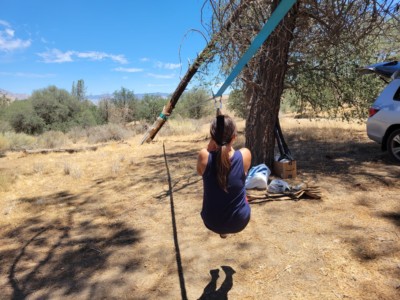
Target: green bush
{"x": 237, "y": 103}
{"x": 5, "y": 126}
{"x": 194, "y": 104}
{"x": 150, "y": 107}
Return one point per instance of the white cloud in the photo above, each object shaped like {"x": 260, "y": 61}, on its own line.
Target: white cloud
{"x": 9, "y": 32}
{"x": 7, "y": 40}
{"x": 4, "y": 23}
{"x": 57, "y": 56}
{"x": 169, "y": 66}
{"x": 94, "y": 55}
{"x": 128, "y": 70}
{"x": 144, "y": 59}
{"x": 160, "y": 76}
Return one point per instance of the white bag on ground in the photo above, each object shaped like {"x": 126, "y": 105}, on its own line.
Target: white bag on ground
{"x": 278, "y": 186}
{"x": 257, "y": 178}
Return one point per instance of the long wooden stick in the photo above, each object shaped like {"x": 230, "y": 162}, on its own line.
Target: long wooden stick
{"x": 206, "y": 54}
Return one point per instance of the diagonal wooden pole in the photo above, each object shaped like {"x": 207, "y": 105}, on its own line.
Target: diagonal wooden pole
{"x": 206, "y": 54}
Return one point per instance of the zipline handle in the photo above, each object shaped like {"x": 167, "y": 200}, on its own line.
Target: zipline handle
{"x": 218, "y": 106}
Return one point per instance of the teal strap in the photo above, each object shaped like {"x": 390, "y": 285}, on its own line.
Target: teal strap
{"x": 278, "y": 14}
{"x": 164, "y": 117}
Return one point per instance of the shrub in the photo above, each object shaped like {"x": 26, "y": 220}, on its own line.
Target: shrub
{"x": 19, "y": 141}
{"x": 27, "y": 122}
{"x": 76, "y": 134}
{"x": 52, "y": 139}
{"x": 4, "y": 143}
{"x": 74, "y": 171}
{"x": 180, "y": 126}
{"x": 105, "y": 133}
{"x": 5, "y": 126}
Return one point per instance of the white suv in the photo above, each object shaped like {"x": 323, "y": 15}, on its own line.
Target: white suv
{"x": 383, "y": 125}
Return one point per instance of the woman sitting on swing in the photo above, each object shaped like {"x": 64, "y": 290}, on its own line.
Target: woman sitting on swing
{"x": 225, "y": 208}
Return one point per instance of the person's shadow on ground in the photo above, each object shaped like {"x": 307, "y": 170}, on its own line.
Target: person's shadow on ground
{"x": 210, "y": 291}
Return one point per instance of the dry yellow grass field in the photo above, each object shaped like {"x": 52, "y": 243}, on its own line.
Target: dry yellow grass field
{"x": 105, "y": 224}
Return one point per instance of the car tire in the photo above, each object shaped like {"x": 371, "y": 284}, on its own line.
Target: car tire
{"x": 393, "y": 145}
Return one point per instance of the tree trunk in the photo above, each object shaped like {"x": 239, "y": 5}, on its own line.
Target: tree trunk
{"x": 265, "y": 90}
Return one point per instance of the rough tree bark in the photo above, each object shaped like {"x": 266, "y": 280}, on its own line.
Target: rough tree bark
{"x": 264, "y": 90}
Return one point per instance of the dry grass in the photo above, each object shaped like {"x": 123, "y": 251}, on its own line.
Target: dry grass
{"x": 99, "y": 224}
{"x": 16, "y": 141}
{"x": 180, "y": 127}
{"x": 73, "y": 170}
{"x": 52, "y": 139}
{"x": 6, "y": 181}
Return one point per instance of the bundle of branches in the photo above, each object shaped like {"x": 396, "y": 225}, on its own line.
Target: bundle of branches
{"x": 305, "y": 191}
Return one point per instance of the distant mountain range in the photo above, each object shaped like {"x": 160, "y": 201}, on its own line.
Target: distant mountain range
{"x": 13, "y": 96}
{"x": 94, "y": 98}
{"x": 97, "y": 98}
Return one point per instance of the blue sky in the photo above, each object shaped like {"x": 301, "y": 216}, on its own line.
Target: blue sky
{"x": 144, "y": 46}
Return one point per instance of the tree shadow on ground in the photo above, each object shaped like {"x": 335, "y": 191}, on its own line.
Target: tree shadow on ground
{"x": 343, "y": 159}
{"x": 53, "y": 255}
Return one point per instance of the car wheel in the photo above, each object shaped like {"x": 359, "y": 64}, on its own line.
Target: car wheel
{"x": 393, "y": 145}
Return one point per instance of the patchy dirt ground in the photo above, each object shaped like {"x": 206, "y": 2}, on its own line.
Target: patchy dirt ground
{"x": 105, "y": 225}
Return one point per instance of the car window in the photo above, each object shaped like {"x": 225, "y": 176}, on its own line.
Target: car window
{"x": 396, "y": 96}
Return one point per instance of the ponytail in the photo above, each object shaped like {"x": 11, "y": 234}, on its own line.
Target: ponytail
{"x": 223, "y": 129}
{"x": 223, "y": 167}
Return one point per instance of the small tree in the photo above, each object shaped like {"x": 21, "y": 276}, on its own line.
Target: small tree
{"x": 149, "y": 107}
{"x": 194, "y": 105}
{"x": 23, "y": 118}
{"x": 56, "y": 107}
{"x": 125, "y": 103}
{"x": 79, "y": 90}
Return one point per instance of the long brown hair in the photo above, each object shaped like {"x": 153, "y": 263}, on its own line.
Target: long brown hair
{"x": 223, "y": 130}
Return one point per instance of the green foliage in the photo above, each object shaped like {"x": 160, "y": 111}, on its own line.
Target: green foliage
{"x": 79, "y": 90}
{"x": 150, "y": 107}
{"x": 194, "y": 105}
{"x": 5, "y": 126}
{"x": 56, "y": 107}
{"x": 27, "y": 123}
{"x": 237, "y": 103}
{"x": 89, "y": 115}
{"x": 23, "y": 118}
{"x": 331, "y": 83}
{"x": 125, "y": 105}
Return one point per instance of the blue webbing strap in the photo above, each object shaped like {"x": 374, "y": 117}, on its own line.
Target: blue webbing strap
{"x": 278, "y": 14}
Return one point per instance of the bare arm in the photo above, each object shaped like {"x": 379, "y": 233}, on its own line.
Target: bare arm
{"x": 246, "y": 154}
{"x": 202, "y": 160}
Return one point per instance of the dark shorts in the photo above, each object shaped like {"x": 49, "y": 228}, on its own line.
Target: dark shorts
{"x": 233, "y": 227}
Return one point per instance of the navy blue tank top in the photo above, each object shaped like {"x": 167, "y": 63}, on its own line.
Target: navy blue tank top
{"x": 224, "y": 212}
